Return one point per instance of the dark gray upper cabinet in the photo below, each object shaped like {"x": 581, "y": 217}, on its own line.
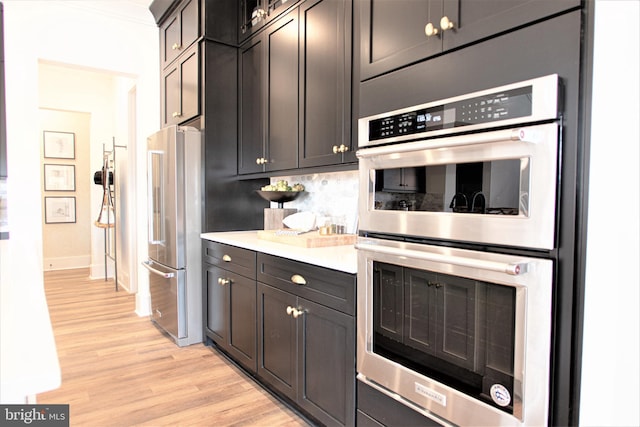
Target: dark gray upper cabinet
{"x": 325, "y": 83}
{"x": 396, "y": 33}
{"x": 268, "y": 77}
{"x": 295, "y": 90}
{"x": 251, "y": 109}
{"x": 255, "y": 14}
{"x": 179, "y": 31}
{"x": 180, "y": 94}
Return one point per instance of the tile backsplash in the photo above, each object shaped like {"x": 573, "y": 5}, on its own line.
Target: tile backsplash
{"x": 333, "y": 195}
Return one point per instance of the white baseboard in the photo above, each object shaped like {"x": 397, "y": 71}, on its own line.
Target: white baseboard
{"x": 97, "y": 271}
{"x": 66, "y": 263}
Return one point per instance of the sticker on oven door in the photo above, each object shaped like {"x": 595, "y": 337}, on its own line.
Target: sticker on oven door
{"x": 431, "y": 394}
{"x": 500, "y": 395}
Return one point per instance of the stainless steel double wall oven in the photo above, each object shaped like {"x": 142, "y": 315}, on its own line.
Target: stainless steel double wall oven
{"x": 458, "y": 207}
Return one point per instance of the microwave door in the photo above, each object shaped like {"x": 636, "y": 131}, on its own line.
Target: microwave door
{"x": 164, "y": 219}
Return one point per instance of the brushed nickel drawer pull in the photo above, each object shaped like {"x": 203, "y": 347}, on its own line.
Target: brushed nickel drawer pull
{"x": 298, "y": 279}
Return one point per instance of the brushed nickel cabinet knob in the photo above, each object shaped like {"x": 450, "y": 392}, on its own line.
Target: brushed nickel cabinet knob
{"x": 446, "y": 23}
{"x": 430, "y": 30}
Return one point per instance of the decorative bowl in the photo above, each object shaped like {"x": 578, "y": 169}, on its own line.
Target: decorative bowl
{"x": 279, "y": 197}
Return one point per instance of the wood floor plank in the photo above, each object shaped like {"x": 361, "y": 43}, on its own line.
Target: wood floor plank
{"x": 119, "y": 370}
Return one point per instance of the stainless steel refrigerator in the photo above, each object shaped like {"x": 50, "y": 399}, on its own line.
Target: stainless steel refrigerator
{"x": 174, "y": 186}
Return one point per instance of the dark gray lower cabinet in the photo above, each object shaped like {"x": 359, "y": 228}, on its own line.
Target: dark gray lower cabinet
{"x": 326, "y": 365}
{"x": 230, "y": 319}
{"x": 291, "y": 324}
{"x": 231, "y": 314}
{"x": 307, "y": 353}
{"x": 277, "y": 336}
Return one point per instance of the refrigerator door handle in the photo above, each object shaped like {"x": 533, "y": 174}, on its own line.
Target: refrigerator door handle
{"x": 147, "y": 265}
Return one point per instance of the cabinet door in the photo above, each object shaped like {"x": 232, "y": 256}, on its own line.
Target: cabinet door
{"x": 180, "y": 93}
{"x": 456, "y": 336}
{"x": 393, "y": 33}
{"x": 179, "y": 31}
{"x": 282, "y": 93}
{"x": 170, "y": 40}
{"x": 170, "y": 95}
{"x": 189, "y": 85}
{"x": 472, "y": 20}
{"x": 253, "y": 16}
{"x": 252, "y": 84}
{"x": 242, "y": 320}
{"x": 277, "y": 340}
{"x": 217, "y": 311}
{"x": 189, "y": 23}
{"x": 325, "y": 82}
{"x": 326, "y": 364}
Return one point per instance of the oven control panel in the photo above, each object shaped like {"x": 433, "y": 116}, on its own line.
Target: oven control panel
{"x": 510, "y": 104}
{"x": 533, "y": 100}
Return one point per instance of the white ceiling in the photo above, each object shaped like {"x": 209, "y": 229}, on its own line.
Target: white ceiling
{"x": 130, "y": 10}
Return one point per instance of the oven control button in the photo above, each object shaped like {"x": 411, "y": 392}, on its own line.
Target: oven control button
{"x": 500, "y": 395}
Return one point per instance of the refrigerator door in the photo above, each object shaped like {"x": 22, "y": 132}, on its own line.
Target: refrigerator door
{"x": 168, "y": 307}
{"x": 165, "y": 180}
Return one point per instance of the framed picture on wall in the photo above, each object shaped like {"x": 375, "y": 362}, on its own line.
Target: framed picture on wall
{"x": 59, "y": 145}
{"x": 59, "y": 210}
{"x": 59, "y": 177}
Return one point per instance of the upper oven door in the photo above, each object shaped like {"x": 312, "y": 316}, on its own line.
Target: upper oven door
{"x": 495, "y": 187}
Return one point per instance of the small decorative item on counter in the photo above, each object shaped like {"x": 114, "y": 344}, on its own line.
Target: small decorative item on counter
{"x": 332, "y": 226}
{"x": 302, "y": 221}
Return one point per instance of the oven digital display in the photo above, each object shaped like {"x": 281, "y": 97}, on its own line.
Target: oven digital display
{"x": 493, "y": 107}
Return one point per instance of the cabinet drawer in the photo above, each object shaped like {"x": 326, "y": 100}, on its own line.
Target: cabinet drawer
{"x": 328, "y": 287}
{"x": 231, "y": 258}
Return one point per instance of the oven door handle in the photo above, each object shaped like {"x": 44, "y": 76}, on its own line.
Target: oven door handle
{"x": 522, "y": 134}
{"x": 513, "y": 268}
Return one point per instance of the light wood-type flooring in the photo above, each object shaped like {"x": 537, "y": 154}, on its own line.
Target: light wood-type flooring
{"x": 118, "y": 369}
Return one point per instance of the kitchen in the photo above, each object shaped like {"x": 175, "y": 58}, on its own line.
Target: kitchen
{"x": 610, "y": 229}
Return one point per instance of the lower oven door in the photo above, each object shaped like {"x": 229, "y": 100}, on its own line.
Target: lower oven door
{"x": 461, "y": 336}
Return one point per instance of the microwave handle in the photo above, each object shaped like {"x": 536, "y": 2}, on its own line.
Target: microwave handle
{"x": 513, "y": 269}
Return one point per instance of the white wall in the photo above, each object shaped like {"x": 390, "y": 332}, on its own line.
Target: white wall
{"x": 610, "y": 388}
{"x": 90, "y": 34}
{"x": 107, "y": 36}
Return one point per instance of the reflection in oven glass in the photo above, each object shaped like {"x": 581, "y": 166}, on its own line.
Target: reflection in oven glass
{"x": 497, "y": 187}
{"x": 452, "y": 329}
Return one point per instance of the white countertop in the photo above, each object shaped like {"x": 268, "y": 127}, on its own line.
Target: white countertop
{"x": 342, "y": 258}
